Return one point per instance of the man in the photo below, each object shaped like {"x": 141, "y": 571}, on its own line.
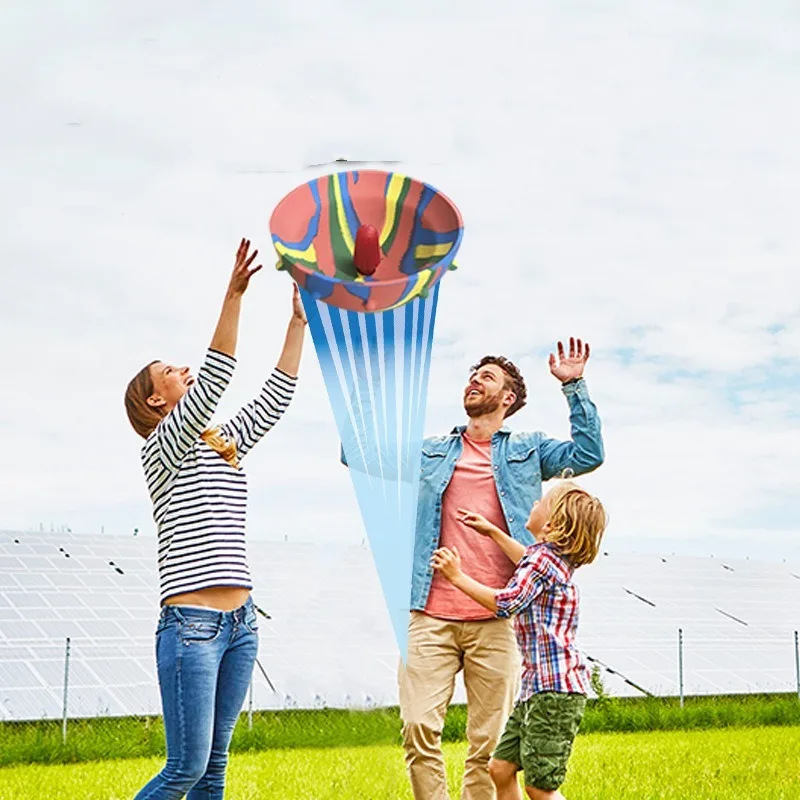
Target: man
{"x": 485, "y": 468}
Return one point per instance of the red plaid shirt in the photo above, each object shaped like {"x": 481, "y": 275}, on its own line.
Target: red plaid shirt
{"x": 544, "y": 602}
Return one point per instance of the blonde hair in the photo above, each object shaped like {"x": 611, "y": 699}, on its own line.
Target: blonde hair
{"x": 577, "y": 523}
{"x": 145, "y": 418}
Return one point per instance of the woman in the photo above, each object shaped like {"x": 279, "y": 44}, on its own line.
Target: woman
{"x": 207, "y": 636}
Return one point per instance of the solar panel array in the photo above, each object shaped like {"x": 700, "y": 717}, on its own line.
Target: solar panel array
{"x": 737, "y": 617}
{"x": 329, "y": 641}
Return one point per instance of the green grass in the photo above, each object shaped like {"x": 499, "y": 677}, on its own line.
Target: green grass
{"x": 679, "y": 765}
{"x": 100, "y": 739}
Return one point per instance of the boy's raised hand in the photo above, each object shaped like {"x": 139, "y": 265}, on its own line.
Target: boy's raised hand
{"x": 448, "y": 562}
{"x": 476, "y": 522}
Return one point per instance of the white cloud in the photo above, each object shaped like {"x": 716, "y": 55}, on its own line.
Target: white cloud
{"x": 627, "y": 176}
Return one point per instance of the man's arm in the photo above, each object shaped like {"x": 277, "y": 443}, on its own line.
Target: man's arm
{"x": 584, "y": 452}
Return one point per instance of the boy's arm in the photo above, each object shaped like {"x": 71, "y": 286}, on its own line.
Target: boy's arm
{"x": 477, "y": 591}
{"x": 525, "y": 585}
{"x": 511, "y": 547}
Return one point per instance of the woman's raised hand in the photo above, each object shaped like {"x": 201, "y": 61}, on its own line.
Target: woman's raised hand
{"x": 241, "y": 268}
{"x": 298, "y": 312}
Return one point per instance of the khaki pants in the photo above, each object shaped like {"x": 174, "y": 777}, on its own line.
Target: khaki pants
{"x": 437, "y": 651}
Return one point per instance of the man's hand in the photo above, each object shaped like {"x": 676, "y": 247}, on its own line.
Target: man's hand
{"x": 570, "y": 367}
{"x": 448, "y": 562}
{"x": 476, "y": 522}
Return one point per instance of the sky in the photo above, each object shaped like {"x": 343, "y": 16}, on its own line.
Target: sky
{"x": 627, "y": 173}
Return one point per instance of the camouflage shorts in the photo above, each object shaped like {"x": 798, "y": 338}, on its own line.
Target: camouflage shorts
{"x": 539, "y": 735}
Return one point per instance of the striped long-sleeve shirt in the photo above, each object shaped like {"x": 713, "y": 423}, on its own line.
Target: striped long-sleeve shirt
{"x": 544, "y": 601}
{"x": 199, "y": 500}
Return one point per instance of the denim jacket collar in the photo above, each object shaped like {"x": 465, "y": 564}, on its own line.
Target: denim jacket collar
{"x": 459, "y": 429}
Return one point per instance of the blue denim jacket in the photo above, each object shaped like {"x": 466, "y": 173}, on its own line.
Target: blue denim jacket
{"x": 521, "y": 462}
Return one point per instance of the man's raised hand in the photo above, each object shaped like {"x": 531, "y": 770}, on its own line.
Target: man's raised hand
{"x": 569, "y": 367}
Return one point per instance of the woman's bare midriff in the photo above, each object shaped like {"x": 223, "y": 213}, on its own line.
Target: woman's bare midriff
{"x": 224, "y": 598}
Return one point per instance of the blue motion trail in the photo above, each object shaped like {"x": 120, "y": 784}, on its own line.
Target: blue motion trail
{"x": 376, "y": 368}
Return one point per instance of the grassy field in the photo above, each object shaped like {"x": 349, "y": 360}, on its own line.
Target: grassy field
{"x": 102, "y": 739}
{"x": 679, "y": 765}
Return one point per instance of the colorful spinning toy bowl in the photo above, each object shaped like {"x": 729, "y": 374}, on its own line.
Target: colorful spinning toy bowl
{"x": 366, "y": 240}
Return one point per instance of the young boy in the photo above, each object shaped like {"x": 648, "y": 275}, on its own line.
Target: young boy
{"x": 568, "y": 524}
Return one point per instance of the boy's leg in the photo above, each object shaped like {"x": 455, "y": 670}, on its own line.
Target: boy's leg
{"x": 540, "y": 794}
{"x": 426, "y": 683}
{"x": 504, "y": 777}
{"x": 235, "y": 672}
{"x": 505, "y": 763}
{"x": 549, "y": 728}
{"x": 491, "y": 678}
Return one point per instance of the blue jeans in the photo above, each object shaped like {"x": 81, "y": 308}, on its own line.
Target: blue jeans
{"x": 205, "y": 661}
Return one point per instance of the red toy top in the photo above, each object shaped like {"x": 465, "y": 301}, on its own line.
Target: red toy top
{"x": 367, "y": 254}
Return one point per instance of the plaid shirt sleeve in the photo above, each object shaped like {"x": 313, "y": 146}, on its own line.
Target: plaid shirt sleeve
{"x": 527, "y": 582}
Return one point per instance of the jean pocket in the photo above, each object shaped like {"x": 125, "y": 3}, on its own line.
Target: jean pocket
{"x": 251, "y": 621}
{"x": 196, "y": 630}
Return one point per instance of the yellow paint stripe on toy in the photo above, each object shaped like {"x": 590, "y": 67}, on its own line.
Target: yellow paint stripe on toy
{"x": 422, "y": 282}
{"x": 309, "y": 254}
{"x": 392, "y": 196}
{"x": 432, "y": 250}
{"x": 342, "y": 217}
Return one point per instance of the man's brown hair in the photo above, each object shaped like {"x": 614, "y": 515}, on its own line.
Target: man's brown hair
{"x": 513, "y": 380}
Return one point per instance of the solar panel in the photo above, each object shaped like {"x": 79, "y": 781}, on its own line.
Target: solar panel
{"x": 737, "y": 617}
{"x": 22, "y": 704}
{"x": 11, "y": 630}
{"x": 64, "y": 580}
{"x": 26, "y": 600}
{"x": 18, "y": 674}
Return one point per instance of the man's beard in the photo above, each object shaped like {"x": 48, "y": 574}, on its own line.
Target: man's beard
{"x": 487, "y": 405}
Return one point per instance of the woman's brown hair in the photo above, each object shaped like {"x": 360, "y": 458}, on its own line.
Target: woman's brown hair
{"x": 145, "y": 418}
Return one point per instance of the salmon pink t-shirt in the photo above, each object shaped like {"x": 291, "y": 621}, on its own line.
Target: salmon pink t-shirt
{"x": 472, "y": 487}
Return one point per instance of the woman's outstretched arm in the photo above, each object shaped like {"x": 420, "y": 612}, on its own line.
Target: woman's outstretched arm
{"x": 289, "y": 362}
{"x": 260, "y": 414}
{"x": 227, "y": 330}
{"x": 184, "y": 423}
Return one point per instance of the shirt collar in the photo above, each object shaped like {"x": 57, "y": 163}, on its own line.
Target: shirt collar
{"x": 459, "y": 429}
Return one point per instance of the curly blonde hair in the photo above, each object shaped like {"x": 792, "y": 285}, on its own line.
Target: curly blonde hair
{"x": 577, "y": 523}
